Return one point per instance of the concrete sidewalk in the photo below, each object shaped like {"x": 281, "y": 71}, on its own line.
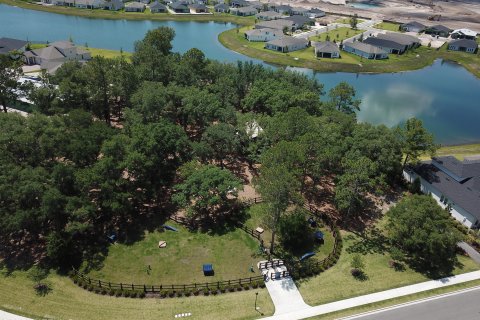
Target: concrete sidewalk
{"x": 10, "y": 316}
{"x": 470, "y": 251}
{"x": 376, "y": 297}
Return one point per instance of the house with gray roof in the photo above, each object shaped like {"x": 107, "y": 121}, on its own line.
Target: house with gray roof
{"x": 114, "y": 5}
{"x": 222, "y": 7}
{"x": 412, "y": 26}
{"x": 134, "y": 6}
{"x": 465, "y": 45}
{"x": 300, "y": 22}
{"x": 287, "y": 44}
{"x": 156, "y": 7}
{"x": 404, "y": 39}
{"x": 326, "y": 49}
{"x": 283, "y": 9}
{"x": 300, "y": 11}
{"x": 8, "y": 45}
{"x": 89, "y": 4}
{"x": 315, "y": 13}
{"x": 179, "y": 7}
{"x": 269, "y": 15}
{"x": 69, "y": 3}
{"x": 244, "y": 11}
{"x": 387, "y": 45}
{"x": 365, "y": 50}
{"x": 198, "y": 8}
{"x": 438, "y": 30}
{"x": 279, "y": 24}
{"x": 239, "y": 3}
{"x": 454, "y": 184}
{"x": 263, "y": 35}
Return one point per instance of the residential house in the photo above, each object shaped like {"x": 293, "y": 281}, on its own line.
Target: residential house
{"x": 263, "y": 35}
{"x": 256, "y": 4}
{"x": 279, "y": 24}
{"x": 464, "y": 34}
{"x": 454, "y": 184}
{"x": 239, "y": 3}
{"x": 134, "y": 7}
{"x": 53, "y": 56}
{"x": 465, "y": 45}
{"x": 222, "y": 7}
{"x": 69, "y": 3}
{"x": 283, "y": 9}
{"x": 145, "y": 1}
{"x": 299, "y": 11}
{"x": 404, "y": 39}
{"x": 287, "y": 44}
{"x": 326, "y": 49}
{"x": 179, "y": 7}
{"x": 114, "y": 5}
{"x": 9, "y": 45}
{"x": 365, "y": 50}
{"x": 90, "y": 4}
{"x": 269, "y": 15}
{"x": 438, "y": 30}
{"x": 386, "y": 45}
{"x": 156, "y": 7}
{"x": 413, "y": 26}
{"x": 244, "y": 11}
{"x": 315, "y": 13}
{"x": 198, "y": 8}
{"x": 300, "y": 22}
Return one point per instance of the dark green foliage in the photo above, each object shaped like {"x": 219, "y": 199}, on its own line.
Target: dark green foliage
{"x": 294, "y": 231}
{"x": 415, "y": 141}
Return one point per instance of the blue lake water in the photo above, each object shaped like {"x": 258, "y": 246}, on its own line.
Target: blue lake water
{"x": 445, "y": 96}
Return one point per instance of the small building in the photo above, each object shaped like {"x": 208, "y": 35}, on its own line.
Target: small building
{"x": 179, "y": 7}
{"x": 365, "y": 50}
{"x": 287, "y": 44}
{"x": 326, "y": 49}
{"x": 438, "y": 30}
{"x": 454, "y": 184}
{"x": 279, "y": 24}
{"x": 244, "y": 11}
{"x": 299, "y": 11}
{"x": 300, "y": 22}
{"x": 9, "y": 45}
{"x": 239, "y": 3}
{"x": 413, "y": 26}
{"x": 256, "y": 4}
{"x": 221, "y": 7}
{"x": 315, "y": 13}
{"x": 464, "y": 34}
{"x": 134, "y": 7}
{"x": 263, "y": 35}
{"x": 283, "y": 9}
{"x": 269, "y": 15}
{"x": 156, "y": 7}
{"x": 198, "y": 8}
{"x": 464, "y": 45}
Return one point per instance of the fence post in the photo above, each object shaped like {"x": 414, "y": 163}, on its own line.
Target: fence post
{"x": 100, "y": 283}
{"x": 144, "y": 288}
{"x": 218, "y": 285}
{"x": 195, "y": 285}
{"x": 89, "y": 281}
{"x": 121, "y": 286}
{"x": 153, "y": 288}
{"x": 109, "y": 285}
{"x": 184, "y": 287}
{"x": 133, "y": 287}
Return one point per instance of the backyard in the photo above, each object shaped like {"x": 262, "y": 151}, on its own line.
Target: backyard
{"x": 338, "y": 34}
{"x": 389, "y": 26}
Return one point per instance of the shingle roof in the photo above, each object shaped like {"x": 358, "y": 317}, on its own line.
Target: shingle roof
{"x": 135, "y": 4}
{"x": 221, "y": 6}
{"x": 364, "y": 47}
{"x": 300, "y": 20}
{"x": 157, "y": 5}
{"x": 269, "y": 14}
{"x": 384, "y": 43}
{"x": 414, "y": 24}
{"x": 259, "y": 32}
{"x": 48, "y": 53}
{"x": 275, "y": 24}
{"x": 459, "y": 170}
{"x": 439, "y": 28}
{"x": 178, "y": 5}
{"x": 404, "y": 39}
{"x": 467, "y": 43}
{"x": 466, "y": 32}
{"x": 326, "y": 46}
{"x": 9, "y": 44}
{"x": 245, "y": 9}
{"x": 288, "y": 41}
{"x": 62, "y": 44}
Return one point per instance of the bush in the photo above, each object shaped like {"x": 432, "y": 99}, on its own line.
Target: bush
{"x": 255, "y": 284}
{"x": 171, "y": 293}
{"x": 357, "y": 262}
{"x": 127, "y": 294}
{"x": 141, "y": 295}
{"x": 103, "y": 292}
{"x": 356, "y": 272}
{"x": 196, "y": 292}
{"x": 262, "y": 284}
{"x": 163, "y": 293}
{"x": 188, "y": 292}
{"x": 118, "y": 293}
{"x": 206, "y": 292}
{"x": 246, "y": 286}
{"x": 111, "y": 292}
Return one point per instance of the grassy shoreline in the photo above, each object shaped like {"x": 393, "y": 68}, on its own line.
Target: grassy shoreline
{"x": 414, "y": 60}
{"x": 105, "y": 14}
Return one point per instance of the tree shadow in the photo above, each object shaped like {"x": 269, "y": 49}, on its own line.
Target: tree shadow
{"x": 371, "y": 241}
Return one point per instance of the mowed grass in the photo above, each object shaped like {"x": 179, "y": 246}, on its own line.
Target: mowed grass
{"x": 68, "y": 301}
{"x": 337, "y": 283}
{"x": 106, "y": 53}
{"x": 460, "y": 152}
{"x": 338, "y": 34}
{"x": 347, "y": 20}
{"x": 181, "y": 261}
{"x": 389, "y": 26}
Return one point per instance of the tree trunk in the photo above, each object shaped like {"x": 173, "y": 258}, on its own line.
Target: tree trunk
{"x": 272, "y": 244}
{"x": 4, "y": 104}
{"x": 405, "y": 162}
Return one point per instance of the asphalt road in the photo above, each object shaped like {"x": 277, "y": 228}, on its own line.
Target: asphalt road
{"x": 463, "y": 306}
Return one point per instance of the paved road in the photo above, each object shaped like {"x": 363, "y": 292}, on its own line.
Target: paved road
{"x": 459, "y": 306}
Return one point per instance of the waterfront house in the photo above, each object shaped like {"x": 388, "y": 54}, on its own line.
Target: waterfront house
{"x": 438, "y": 30}
{"x": 279, "y": 24}
{"x": 454, "y": 184}
{"x": 263, "y": 35}
{"x": 156, "y": 7}
{"x": 69, "y": 3}
{"x": 283, "y": 9}
{"x": 256, "y": 4}
{"x": 90, "y": 4}
{"x": 198, "y": 8}
{"x": 179, "y": 7}
{"x": 465, "y": 45}
{"x": 326, "y": 49}
{"x": 365, "y": 50}
{"x": 222, "y": 7}
{"x": 269, "y": 15}
{"x": 134, "y": 7}
{"x": 404, "y": 39}
{"x": 464, "y": 34}
{"x": 9, "y": 45}
{"x": 387, "y": 45}
{"x": 315, "y": 13}
{"x": 239, "y": 3}
{"x": 287, "y": 44}
{"x": 145, "y": 1}
{"x": 413, "y": 26}
{"x": 114, "y": 5}
{"x": 300, "y": 22}
{"x": 244, "y": 11}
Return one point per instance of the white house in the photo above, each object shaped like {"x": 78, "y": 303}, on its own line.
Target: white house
{"x": 263, "y": 35}
{"x": 453, "y": 184}
{"x": 464, "y": 34}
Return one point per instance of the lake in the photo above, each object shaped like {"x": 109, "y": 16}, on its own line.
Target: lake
{"x": 445, "y": 96}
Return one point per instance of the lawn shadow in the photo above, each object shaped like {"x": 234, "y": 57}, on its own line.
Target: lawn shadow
{"x": 369, "y": 242}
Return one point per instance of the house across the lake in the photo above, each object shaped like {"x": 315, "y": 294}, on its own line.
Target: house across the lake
{"x": 454, "y": 184}
{"x": 279, "y": 24}
{"x": 365, "y": 50}
{"x": 269, "y": 15}
{"x": 198, "y": 8}
{"x": 222, "y": 7}
{"x": 465, "y": 45}
{"x": 326, "y": 49}
{"x": 287, "y": 44}
{"x": 179, "y": 7}
{"x": 263, "y": 35}
{"x": 395, "y": 43}
{"x": 244, "y": 11}
{"x": 135, "y": 7}
{"x": 314, "y": 13}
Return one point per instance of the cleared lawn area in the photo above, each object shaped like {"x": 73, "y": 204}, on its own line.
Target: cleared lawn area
{"x": 67, "y": 301}
{"x": 181, "y": 261}
{"x": 458, "y": 151}
{"x": 338, "y": 34}
{"x": 337, "y": 282}
{"x": 347, "y": 20}
{"x": 388, "y": 26}
{"x": 106, "y": 53}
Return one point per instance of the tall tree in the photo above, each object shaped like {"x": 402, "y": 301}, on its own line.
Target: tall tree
{"x": 342, "y": 98}
{"x": 223, "y": 142}
{"x": 415, "y": 140}
{"x": 354, "y": 21}
{"x": 10, "y": 72}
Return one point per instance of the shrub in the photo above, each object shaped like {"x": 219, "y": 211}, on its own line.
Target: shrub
{"x": 356, "y": 272}
{"x": 141, "y": 295}
{"x": 255, "y": 284}
{"x": 111, "y": 292}
{"x": 206, "y": 292}
{"x": 163, "y": 293}
{"x": 357, "y": 262}
{"x": 127, "y": 294}
{"x": 246, "y": 286}
{"x": 188, "y": 292}
{"x": 118, "y": 293}
{"x": 103, "y": 292}
{"x": 96, "y": 290}
{"x": 90, "y": 288}
{"x": 238, "y": 287}
{"x": 196, "y": 292}
{"x": 171, "y": 293}
{"x": 262, "y": 284}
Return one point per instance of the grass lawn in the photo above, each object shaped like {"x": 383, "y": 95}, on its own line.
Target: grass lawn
{"x": 106, "y": 53}
{"x": 389, "y": 26}
{"x": 338, "y": 34}
{"x": 67, "y": 301}
{"x": 181, "y": 261}
{"x": 337, "y": 283}
{"x": 458, "y": 151}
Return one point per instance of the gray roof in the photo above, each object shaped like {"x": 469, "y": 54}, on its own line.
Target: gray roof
{"x": 300, "y": 9}
{"x": 465, "y": 194}
{"x": 271, "y": 14}
{"x": 48, "y": 53}
{"x": 197, "y": 6}
{"x": 404, "y": 39}
{"x": 62, "y": 44}
{"x": 246, "y": 9}
{"x": 275, "y": 24}
{"x": 288, "y": 41}
{"x": 326, "y": 46}
{"x": 135, "y": 4}
{"x": 316, "y": 10}
{"x": 157, "y": 5}
{"x": 414, "y": 24}
{"x": 300, "y": 20}
{"x": 259, "y": 32}
{"x": 439, "y": 28}
{"x": 222, "y": 6}
{"x": 9, "y": 44}
{"x": 283, "y": 7}
{"x": 467, "y": 43}
{"x": 365, "y": 47}
{"x": 459, "y": 170}
{"x": 178, "y": 5}
{"x": 384, "y": 43}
